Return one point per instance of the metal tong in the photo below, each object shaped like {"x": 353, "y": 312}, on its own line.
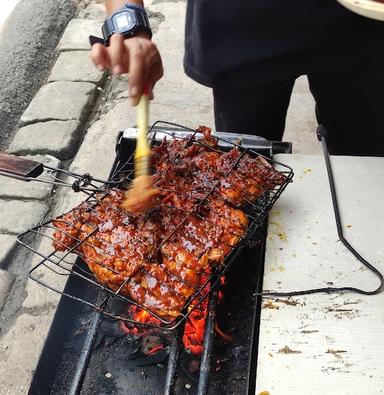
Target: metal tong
{"x": 29, "y": 170}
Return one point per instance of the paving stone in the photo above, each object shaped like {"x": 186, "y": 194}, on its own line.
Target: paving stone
{"x": 100, "y": 141}
{"x": 57, "y": 138}
{"x": 6, "y": 281}
{"x": 93, "y": 11}
{"x": 38, "y": 295}
{"x": 76, "y": 34}
{"x": 13, "y": 188}
{"x": 17, "y": 216}
{"x": 20, "y": 349}
{"x": 62, "y": 100}
{"x": 75, "y": 66}
{"x": 97, "y": 152}
{"x": 155, "y": 20}
{"x": 7, "y": 246}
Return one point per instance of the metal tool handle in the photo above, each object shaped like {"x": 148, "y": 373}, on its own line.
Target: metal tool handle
{"x": 15, "y": 166}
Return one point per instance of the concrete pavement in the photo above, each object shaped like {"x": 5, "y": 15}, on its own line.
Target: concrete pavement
{"x": 74, "y": 120}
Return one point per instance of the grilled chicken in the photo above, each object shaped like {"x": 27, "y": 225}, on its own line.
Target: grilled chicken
{"x": 160, "y": 258}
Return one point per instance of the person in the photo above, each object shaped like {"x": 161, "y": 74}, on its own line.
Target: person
{"x": 251, "y": 51}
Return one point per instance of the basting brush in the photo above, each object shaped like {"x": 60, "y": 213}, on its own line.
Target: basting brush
{"x": 141, "y": 194}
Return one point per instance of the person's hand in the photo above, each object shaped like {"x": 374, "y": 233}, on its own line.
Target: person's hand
{"x": 137, "y": 56}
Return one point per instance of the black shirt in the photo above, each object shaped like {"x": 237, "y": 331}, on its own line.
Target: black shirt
{"x": 276, "y": 39}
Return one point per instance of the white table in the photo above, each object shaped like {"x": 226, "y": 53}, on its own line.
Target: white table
{"x": 324, "y": 344}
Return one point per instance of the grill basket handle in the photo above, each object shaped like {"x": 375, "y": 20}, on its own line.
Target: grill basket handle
{"x": 15, "y": 166}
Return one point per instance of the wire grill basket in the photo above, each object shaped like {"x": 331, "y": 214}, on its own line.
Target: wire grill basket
{"x": 53, "y": 265}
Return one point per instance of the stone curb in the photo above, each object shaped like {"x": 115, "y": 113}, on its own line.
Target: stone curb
{"x": 56, "y": 138}
{"x": 62, "y": 101}
{"x": 52, "y": 123}
{"x": 6, "y": 282}
{"x": 76, "y": 35}
{"x": 75, "y": 66}
{"x": 7, "y": 247}
{"x": 12, "y": 188}
{"x": 17, "y": 216}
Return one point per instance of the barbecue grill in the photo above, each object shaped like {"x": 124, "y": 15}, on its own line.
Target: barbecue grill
{"x": 69, "y": 364}
{"x": 114, "y": 303}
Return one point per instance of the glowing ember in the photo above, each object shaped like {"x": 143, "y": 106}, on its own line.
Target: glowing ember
{"x": 193, "y": 337}
{"x": 151, "y": 344}
{"x": 157, "y": 348}
{"x": 194, "y": 330}
{"x": 138, "y": 315}
{"x": 142, "y": 316}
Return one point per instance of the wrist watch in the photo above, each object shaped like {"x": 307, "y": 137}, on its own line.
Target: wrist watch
{"x": 128, "y": 21}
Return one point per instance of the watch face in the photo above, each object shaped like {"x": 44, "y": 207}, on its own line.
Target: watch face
{"x": 123, "y": 21}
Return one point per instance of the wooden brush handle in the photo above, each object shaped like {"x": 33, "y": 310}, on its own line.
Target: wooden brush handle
{"x": 143, "y": 150}
{"x": 15, "y": 166}
{"x": 142, "y": 143}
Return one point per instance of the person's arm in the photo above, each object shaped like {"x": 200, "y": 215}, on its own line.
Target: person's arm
{"x": 114, "y": 5}
{"x": 137, "y": 56}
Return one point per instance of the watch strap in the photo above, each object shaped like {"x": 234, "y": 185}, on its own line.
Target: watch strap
{"x": 95, "y": 40}
{"x": 108, "y": 29}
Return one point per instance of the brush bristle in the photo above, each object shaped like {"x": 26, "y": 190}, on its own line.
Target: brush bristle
{"x": 142, "y": 166}
{"x": 141, "y": 196}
